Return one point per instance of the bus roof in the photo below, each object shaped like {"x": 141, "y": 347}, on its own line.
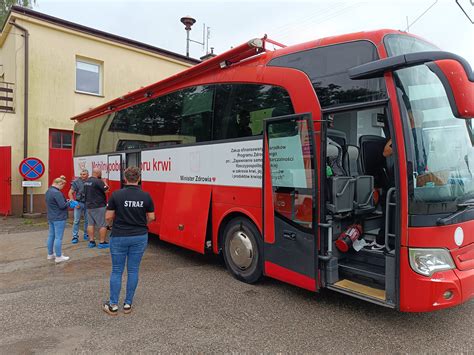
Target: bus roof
{"x": 251, "y": 49}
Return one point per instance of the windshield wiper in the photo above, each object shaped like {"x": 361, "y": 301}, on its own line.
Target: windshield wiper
{"x": 466, "y": 203}
{"x": 464, "y": 213}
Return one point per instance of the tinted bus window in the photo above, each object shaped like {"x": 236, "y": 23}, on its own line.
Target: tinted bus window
{"x": 241, "y": 108}
{"x": 87, "y": 135}
{"x": 327, "y": 70}
{"x": 181, "y": 117}
{"x": 191, "y": 115}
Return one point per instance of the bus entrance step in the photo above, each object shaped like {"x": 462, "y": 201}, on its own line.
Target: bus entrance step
{"x": 352, "y": 267}
{"x": 365, "y": 257}
{"x": 361, "y": 289}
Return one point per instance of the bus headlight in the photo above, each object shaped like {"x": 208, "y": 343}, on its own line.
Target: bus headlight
{"x": 428, "y": 261}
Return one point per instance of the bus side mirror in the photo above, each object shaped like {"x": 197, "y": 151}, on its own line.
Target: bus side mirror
{"x": 458, "y": 84}
{"x": 454, "y": 72}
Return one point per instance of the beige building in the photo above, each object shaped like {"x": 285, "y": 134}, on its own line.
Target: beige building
{"x": 69, "y": 69}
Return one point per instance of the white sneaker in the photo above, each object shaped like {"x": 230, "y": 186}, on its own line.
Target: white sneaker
{"x": 60, "y": 259}
{"x": 51, "y": 256}
{"x": 376, "y": 246}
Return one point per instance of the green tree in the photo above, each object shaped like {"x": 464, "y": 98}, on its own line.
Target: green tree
{"x": 5, "y": 6}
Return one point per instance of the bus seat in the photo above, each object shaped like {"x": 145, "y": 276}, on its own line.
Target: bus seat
{"x": 364, "y": 184}
{"x": 372, "y": 161}
{"x": 332, "y": 151}
{"x": 340, "y": 184}
{"x": 335, "y": 157}
{"x": 338, "y": 136}
{"x": 351, "y": 160}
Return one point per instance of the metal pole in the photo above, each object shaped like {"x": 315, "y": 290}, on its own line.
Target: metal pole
{"x": 428, "y": 9}
{"x": 25, "y": 101}
{"x": 187, "y": 43}
{"x": 31, "y": 201}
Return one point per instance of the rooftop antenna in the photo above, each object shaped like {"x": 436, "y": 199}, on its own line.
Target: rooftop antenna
{"x": 465, "y": 13}
{"x": 188, "y": 22}
{"x": 411, "y": 24}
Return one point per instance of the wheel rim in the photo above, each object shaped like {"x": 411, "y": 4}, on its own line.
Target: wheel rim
{"x": 241, "y": 250}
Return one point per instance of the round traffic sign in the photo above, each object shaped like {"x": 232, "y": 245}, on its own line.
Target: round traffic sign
{"x": 31, "y": 168}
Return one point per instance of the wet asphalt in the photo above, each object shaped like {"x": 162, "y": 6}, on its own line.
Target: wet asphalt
{"x": 189, "y": 303}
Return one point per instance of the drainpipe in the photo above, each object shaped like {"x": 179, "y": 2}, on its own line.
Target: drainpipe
{"x": 25, "y": 102}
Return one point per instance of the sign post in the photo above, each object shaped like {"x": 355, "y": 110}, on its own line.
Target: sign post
{"x": 31, "y": 169}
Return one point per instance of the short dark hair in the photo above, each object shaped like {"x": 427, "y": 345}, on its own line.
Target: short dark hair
{"x": 132, "y": 174}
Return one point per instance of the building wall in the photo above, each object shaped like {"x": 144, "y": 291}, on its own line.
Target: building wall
{"x": 11, "y": 124}
{"x": 52, "y": 96}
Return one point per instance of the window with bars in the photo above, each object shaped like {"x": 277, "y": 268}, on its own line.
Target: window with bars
{"x": 7, "y": 94}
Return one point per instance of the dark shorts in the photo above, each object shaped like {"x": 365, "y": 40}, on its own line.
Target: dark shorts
{"x": 96, "y": 217}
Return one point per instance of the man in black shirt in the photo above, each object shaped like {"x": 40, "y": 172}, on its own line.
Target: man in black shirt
{"x": 130, "y": 209}
{"x": 95, "y": 189}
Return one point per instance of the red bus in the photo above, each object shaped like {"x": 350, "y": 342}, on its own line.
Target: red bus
{"x": 343, "y": 163}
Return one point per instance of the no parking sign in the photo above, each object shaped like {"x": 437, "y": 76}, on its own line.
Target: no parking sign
{"x": 31, "y": 168}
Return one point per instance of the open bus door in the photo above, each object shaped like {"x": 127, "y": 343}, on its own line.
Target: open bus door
{"x": 290, "y": 200}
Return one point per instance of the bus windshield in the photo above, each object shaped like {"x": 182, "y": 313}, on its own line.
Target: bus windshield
{"x": 439, "y": 146}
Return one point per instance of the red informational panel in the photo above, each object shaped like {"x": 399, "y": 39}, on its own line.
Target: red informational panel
{"x": 60, "y": 157}
{"x": 5, "y": 180}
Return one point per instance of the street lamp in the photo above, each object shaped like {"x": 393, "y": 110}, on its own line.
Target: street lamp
{"x": 187, "y": 21}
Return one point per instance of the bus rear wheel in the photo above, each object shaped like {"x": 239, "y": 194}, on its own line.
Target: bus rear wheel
{"x": 242, "y": 250}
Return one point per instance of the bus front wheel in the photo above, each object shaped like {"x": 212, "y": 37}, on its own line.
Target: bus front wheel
{"x": 242, "y": 250}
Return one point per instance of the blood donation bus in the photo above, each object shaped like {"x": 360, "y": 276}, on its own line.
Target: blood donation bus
{"x": 343, "y": 163}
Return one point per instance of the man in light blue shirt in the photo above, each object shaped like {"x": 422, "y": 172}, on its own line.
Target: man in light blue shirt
{"x": 77, "y": 187}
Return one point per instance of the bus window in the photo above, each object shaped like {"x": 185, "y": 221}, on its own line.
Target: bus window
{"x": 197, "y": 110}
{"x": 327, "y": 67}
{"x": 401, "y": 44}
{"x": 241, "y": 108}
{"x": 290, "y": 163}
{"x": 440, "y": 164}
{"x": 181, "y": 117}
{"x": 87, "y": 135}
{"x": 134, "y": 144}
{"x": 360, "y": 122}
{"x": 367, "y": 131}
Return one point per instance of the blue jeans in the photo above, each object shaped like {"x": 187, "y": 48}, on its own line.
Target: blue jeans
{"x": 55, "y": 236}
{"x": 130, "y": 249}
{"x": 77, "y": 220}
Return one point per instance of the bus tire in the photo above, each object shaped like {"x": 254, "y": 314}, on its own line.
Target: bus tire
{"x": 242, "y": 250}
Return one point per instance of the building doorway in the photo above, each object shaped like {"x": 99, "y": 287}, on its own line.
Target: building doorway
{"x": 60, "y": 157}
{"x": 5, "y": 180}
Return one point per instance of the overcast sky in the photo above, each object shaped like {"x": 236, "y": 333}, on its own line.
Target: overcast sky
{"x": 234, "y": 22}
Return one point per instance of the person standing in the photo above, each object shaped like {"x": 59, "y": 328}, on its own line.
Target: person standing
{"x": 130, "y": 209}
{"x": 77, "y": 187}
{"x": 57, "y": 216}
{"x": 96, "y": 201}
